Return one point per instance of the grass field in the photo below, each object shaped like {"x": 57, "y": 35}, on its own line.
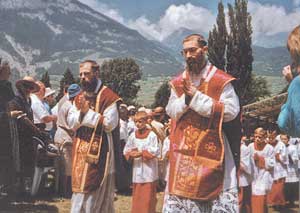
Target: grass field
{"x": 151, "y": 84}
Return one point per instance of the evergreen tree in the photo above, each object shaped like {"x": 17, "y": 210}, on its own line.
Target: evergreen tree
{"x": 121, "y": 75}
{"x": 239, "y": 51}
{"x": 66, "y": 80}
{"x": 233, "y": 51}
{"x": 46, "y": 79}
{"x": 162, "y": 95}
{"x": 217, "y": 40}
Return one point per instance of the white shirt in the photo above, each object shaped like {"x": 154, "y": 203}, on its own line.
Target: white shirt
{"x": 202, "y": 104}
{"x": 245, "y": 175}
{"x": 165, "y": 149}
{"x": 292, "y": 168}
{"x": 262, "y": 178}
{"x": 280, "y": 168}
{"x": 131, "y": 126}
{"x": 39, "y": 112}
{"x": 144, "y": 171}
{"x": 123, "y": 130}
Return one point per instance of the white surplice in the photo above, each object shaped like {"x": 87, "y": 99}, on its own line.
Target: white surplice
{"x": 202, "y": 104}
{"x": 245, "y": 174}
{"x": 262, "y": 177}
{"x": 292, "y": 168}
{"x": 144, "y": 171}
{"x": 280, "y": 168}
{"x": 102, "y": 199}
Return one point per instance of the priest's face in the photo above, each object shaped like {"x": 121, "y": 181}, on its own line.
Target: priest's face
{"x": 88, "y": 78}
{"x": 194, "y": 55}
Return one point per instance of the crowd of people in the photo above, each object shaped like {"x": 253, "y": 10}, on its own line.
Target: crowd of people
{"x": 192, "y": 149}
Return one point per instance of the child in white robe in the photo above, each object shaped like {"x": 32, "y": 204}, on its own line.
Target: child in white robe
{"x": 262, "y": 162}
{"x": 143, "y": 148}
{"x": 245, "y": 178}
{"x": 276, "y": 195}
{"x": 292, "y": 179}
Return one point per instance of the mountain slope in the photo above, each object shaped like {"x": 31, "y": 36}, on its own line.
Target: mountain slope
{"x": 39, "y": 35}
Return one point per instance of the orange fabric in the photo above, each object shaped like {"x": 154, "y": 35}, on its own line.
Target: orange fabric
{"x": 245, "y": 199}
{"x": 87, "y": 176}
{"x": 143, "y": 198}
{"x": 276, "y": 195}
{"x": 197, "y": 147}
{"x": 259, "y": 204}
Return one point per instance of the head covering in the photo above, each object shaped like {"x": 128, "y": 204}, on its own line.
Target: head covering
{"x": 123, "y": 106}
{"x": 27, "y": 83}
{"x": 49, "y": 92}
{"x": 142, "y": 109}
{"x": 158, "y": 110}
{"x": 131, "y": 107}
{"x": 73, "y": 90}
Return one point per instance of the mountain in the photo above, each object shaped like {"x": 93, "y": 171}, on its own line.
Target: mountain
{"x": 270, "y": 61}
{"x": 40, "y": 35}
{"x": 267, "y": 61}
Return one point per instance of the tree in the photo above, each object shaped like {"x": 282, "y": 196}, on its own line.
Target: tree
{"x": 239, "y": 51}
{"x": 162, "y": 95}
{"x": 217, "y": 40}
{"x": 46, "y": 79}
{"x": 66, "y": 80}
{"x": 121, "y": 75}
{"x": 235, "y": 48}
{"x": 256, "y": 89}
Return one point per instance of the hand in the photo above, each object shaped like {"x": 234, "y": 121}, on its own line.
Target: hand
{"x": 135, "y": 154}
{"x": 81, "y": 103}
{"x": 256, "y": 157}
{"x": 188, "y": 88}
{"x": 287, "y": 73}
{"x": 15, "y": 113}
{"x": 277, "y": 156}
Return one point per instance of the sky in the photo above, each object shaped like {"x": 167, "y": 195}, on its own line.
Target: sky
{"x": 272, "y": 20}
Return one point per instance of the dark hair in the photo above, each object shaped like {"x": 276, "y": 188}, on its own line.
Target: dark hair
{"x": 200, "y": 39}
{"x": 95, "y": 66}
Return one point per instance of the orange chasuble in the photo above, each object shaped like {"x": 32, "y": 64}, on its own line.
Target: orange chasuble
{"x": 197, "y": 147}
{"x": 91, "y": 149}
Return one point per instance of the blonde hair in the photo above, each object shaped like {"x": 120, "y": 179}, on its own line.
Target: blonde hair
{"x": 293, "y": 45}
{"x": 140, "y": 115}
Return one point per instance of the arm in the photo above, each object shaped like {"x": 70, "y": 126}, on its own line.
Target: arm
{"x": 270, "y": 160}
{"x": 202, "y": 104}
{"x": 289, "y": 117}
{"x": 245, "y": 163}
{"x": 176, "y": 106}
{"x": 152, "y": 149}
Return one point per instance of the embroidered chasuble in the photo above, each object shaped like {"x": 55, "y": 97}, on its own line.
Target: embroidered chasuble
{"x": 91, "y": 149}
{"x": 197, "y": 147}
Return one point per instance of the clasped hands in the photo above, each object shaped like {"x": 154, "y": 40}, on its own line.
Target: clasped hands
{"x": 188, "y": 87}
{"x": 82, "y": 104}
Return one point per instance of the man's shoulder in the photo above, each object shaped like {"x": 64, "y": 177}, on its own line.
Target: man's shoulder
{"x": 222, "y": 75}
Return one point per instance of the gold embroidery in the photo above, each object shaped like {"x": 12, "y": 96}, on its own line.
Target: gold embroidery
{"x": 210, "y": 147}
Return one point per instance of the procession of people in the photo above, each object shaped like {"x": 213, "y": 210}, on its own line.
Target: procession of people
{"x": 195, "y": 149}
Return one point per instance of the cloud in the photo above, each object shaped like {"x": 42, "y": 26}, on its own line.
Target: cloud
{"x": 296, "y": 3}
{"x": 267, "y": 19}
{"x": 272, "y": 19}
{"x": 175, "y": 17}
{"x": 104, "y": 9}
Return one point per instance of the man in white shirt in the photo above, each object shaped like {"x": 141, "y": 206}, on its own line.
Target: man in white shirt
{"x": 41, "y": 115}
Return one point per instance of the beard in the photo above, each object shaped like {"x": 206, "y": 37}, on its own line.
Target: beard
{"x": 195, "y": 65}
{"x": 89, "y": 86}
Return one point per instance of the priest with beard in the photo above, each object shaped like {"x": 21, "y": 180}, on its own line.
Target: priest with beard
{"x": 202, "y": 175}
{"x": 95, "y": 119}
